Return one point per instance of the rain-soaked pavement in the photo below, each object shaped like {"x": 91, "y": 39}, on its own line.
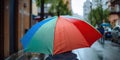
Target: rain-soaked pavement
{"x": 109, "y": 51}
{"x": 98, "y": 51}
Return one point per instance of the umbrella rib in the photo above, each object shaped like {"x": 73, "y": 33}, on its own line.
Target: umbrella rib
{"x": 54, "y": 34}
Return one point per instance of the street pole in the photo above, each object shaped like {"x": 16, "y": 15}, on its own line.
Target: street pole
{"x": 42, "y": 10}
{"x": 30, "y": 22}
{"x": 91, "y": 12}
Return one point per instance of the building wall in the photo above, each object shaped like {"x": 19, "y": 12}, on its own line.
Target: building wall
{"x": 95, "y": 3}
{"x": 34, "y": 9}
{"x": 1, "y": 29}
{"x": 23, "y": 19}
{"x": 104, "y": 4}
{"x": 20, "y": 19}
{"x": 6, "y": 27}
{"x": 86, "y": 9}
{"x": 114, "y": 5}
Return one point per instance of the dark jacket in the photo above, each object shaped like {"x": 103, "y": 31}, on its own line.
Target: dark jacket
{"x": 63, "y": 56}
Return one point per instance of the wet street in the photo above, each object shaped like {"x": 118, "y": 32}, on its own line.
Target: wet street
{"x": 98, "y": 51}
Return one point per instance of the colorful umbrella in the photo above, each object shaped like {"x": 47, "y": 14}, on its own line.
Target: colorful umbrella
{"x": 59, "y": 34}
{"x": 105, "y": 24}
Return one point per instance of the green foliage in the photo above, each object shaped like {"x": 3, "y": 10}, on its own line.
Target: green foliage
{"x": 96, "y": 16}
{"x": 38, "y": 2}
{"x": 59, "y": 8}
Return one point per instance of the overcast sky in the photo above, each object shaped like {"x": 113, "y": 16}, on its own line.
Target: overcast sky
{"x": 77, "y": 6}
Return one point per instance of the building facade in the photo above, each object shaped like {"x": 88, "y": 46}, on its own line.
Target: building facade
{"x": 14, "y": 22}
{"x": 114, "y": 5}
{"x": 96, "y": 3}
{"x": 86, "y": 9}
{"x": 104, "y": 4}
{"x": 1, "y": 29}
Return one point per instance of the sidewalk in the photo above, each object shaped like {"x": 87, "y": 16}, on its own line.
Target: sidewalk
{"x": 111, "y": 51}
{"x": 98, "y": 51}
{"x": 108, "y": 50}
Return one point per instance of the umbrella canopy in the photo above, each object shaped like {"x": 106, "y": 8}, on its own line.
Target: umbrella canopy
{"x": 105, "y": 24}
{"x": 59, "y": 34}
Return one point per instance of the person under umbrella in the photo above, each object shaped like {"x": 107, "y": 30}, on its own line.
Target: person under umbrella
{"x": 63, "y": 56}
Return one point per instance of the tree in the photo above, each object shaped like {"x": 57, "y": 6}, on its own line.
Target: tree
{"x": 59, "y": 8}
{"x": 96, "y": 16}
{"x": 38, "y": 2}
